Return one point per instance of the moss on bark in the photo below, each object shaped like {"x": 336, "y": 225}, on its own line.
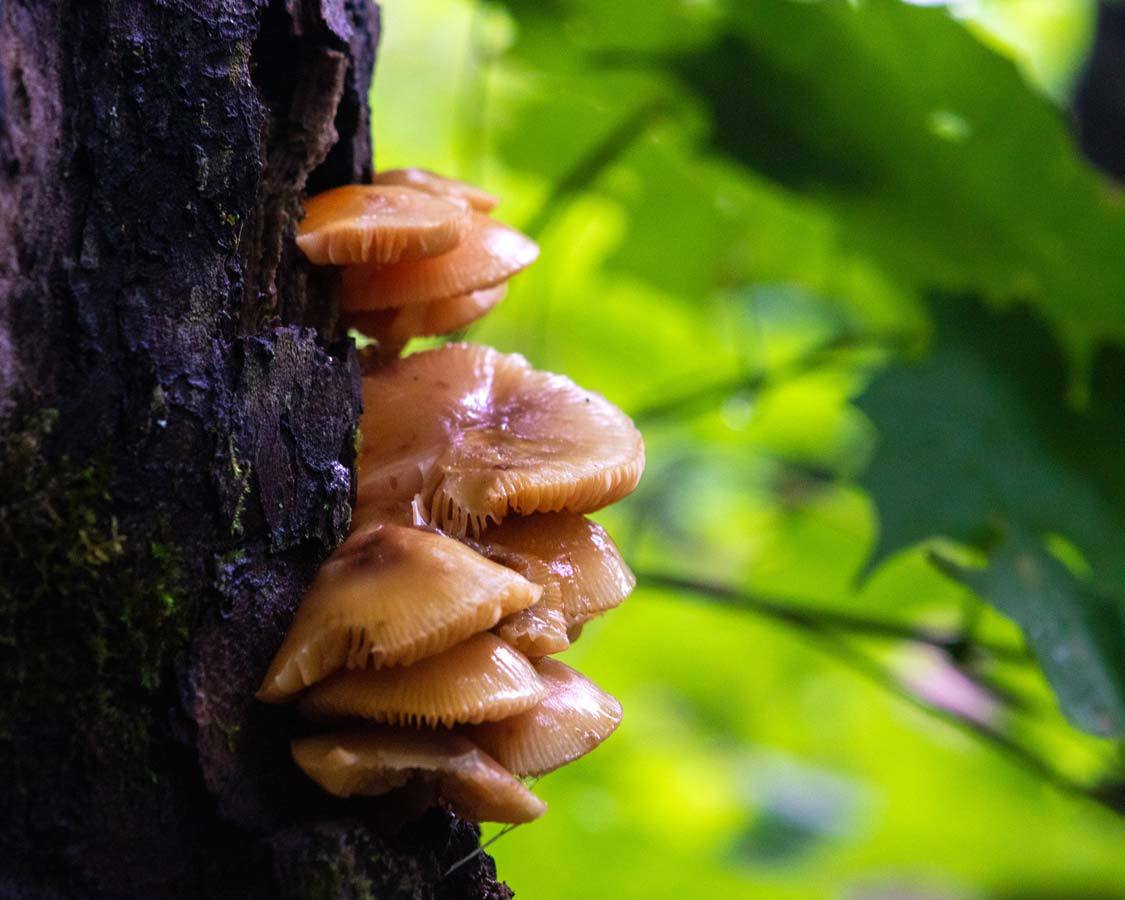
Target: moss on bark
{"x": 90, "y": 617}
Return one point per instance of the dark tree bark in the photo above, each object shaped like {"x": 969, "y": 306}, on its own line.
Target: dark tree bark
{"x": 177, "y": 427}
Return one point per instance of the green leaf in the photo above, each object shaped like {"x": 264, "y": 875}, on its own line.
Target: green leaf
{"x": 929, "y": 148}
{"x": 1077, "y": 633}
{"x": 898, "y": 138}
{"x": 978, "y": 442}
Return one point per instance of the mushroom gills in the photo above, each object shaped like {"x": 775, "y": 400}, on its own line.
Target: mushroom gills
{"x": 575, "y": 718}
{"x": 377, "y": 760}
{"x": 479, "y": 435}
{"x": 397, "y": 325}
{"x": 481, "y": 679}
{"x": 488, "y": 254}
{"x": 367, "y": 606}
{"x": 380, "y": 224}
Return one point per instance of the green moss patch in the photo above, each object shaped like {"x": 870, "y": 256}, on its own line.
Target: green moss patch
{"x": 89, "y": 616}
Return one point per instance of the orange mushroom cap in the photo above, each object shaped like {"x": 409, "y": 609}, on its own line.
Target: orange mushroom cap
{"x": 585, "y": 574}
{"x": 480, "y": 434}
{"x": 432, "y": 183}
{"x": 398, "y": 325}
{"x": 539, "y": 630}
{"x": 364, "y": 223}
{"x": 388, "y": 596}
{"x": 576, "y": 716}
{"x": 378, "y": 760}
{"x": 489, "y": 254}
{"x": 479, "y": 680}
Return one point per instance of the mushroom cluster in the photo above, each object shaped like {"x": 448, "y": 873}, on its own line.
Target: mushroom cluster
{"x": 421, "y": 256}
{"x": 424, "y": 645}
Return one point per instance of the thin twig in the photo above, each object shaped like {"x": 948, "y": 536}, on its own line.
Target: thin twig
{"x": 822, "y": 629}
{"x": 468, "y": 857}
{"x": 813, "y": 617}
{"x": 709, "y": 394}
{"x": 840, "y": 649}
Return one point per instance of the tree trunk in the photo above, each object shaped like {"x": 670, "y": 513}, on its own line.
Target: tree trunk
{"x": 177, "y": 430}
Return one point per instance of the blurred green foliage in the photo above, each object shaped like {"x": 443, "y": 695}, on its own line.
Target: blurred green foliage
{"x": 844, "y": 265}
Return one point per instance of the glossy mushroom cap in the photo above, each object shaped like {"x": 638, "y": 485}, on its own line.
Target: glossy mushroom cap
{"x": 539, "y": 630}
{"x": 398, "y": 325}
{"x": 479, "y": 680}
{"x": 377, "y": 760}
{"x": 489, "y": 254}
{"x": 388, "y": 596}
{"x": 364, "y": 223}
{"x": 576, "y": 716}
{"x": 480, "y": 434}
{"x": 585, "y": 571}
{"x": 432, "y": 183}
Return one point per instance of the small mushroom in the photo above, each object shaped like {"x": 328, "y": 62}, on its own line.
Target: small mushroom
{"x": 378, "y": 760}
{"x": 478, "y": 434}
{"x": 432, "y": 183}
{"x": 479, "y": 680}
{"x": 581, "y": 572}
{"x": 364, "y": 223}
{"x": 489, "y": 254}
{"x": 539, "y": 630}
{"x": 576, "y": 716}
{"x": 388, "y": 596}
{"x": 398, "y": 325}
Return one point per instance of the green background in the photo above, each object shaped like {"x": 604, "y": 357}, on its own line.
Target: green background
{"x": 844, "y": 265}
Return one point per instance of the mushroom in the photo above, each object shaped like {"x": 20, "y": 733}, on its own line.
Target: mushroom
{"x": 475, "y": 435}
{"x": 378, "y": 760}
{"x": 581, "y": 572}
{"x": 364, "y": 223}
{"x": 398, "y": 325}
{"x": 432, "y": 183}
{"x": 489, "y": 254}
{"x": 539, "y": 630}
{"x": 575, "y": 717}
{"x": 388, "y": 596}
{"x": 479, "y": 680}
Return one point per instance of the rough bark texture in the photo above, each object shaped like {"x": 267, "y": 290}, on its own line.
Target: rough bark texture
{"x": 177, "y": 426}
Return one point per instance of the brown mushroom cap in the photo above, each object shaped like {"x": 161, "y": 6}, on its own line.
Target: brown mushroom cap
{"x": 364, "y": 223}
{"x": 398, "y": 325}
{"x": 480, "y": 434}
{"x": 479, "y": 680}
{"x": 579, "y": 557}
{"x": 576, "y": 716}
{"x": 377, "y": 760}
{"x": 388, "y": 596}
{"x": 432, "y": 183}
{"x": 489, "y": 254}
{"x": 539, "y": 630}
